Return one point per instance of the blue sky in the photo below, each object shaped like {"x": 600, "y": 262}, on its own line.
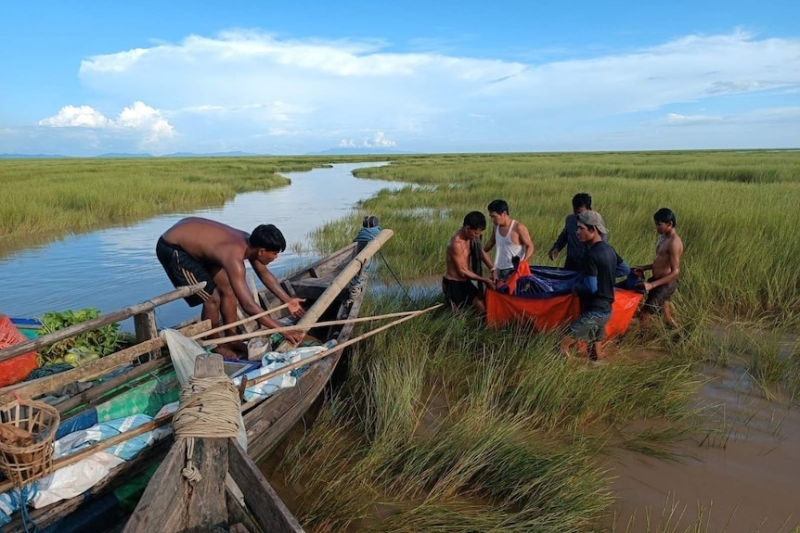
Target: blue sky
{"x": 280, "y": 77}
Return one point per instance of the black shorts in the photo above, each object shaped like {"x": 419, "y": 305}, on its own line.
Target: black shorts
{"x": 184, "y": 270}
{"x": 659, "y": 296}
{"x": 459, "y": 293}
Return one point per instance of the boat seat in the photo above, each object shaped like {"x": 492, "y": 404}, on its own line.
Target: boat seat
{"x": 311, "y": 288}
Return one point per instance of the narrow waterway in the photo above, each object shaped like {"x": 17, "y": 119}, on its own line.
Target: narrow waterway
{"x": 113, "y": 268}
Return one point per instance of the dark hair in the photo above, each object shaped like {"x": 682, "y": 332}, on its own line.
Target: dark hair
{"x": 667, "y": 216}
{"x": 475, "y": 220}
{"x": 370, "y": 221}
{"x": 269, "y": 237}
{"x": 498, "y": 206}
{"x": 582, "y": 199}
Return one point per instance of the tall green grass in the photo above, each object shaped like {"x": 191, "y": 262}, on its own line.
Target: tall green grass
{"x": 47, "y": 199}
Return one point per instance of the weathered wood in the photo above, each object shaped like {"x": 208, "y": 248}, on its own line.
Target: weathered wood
{"x": 99, "y": 367}
{"x": 269, "y": 512}
{"x": 110, "y": 318}
{"x": 144, "y": 326}
{"x": 90, "y": 396}
{"x": 171, "y": 504}
{"x": 340, "y": 282}
{"x": 237, "y": 514}
{"x": 239, "y": 322}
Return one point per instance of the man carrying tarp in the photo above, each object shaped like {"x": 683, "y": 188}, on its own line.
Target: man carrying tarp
{"x": 600, "y": 266}
{"x": 569, "y": 236}
{"x": 464, "y": 251}
{"x": 197, "y": 249}
{"x": 512, "y": 239}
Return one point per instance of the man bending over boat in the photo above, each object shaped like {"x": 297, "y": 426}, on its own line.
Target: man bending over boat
{"x": 464, "y": 257}
{"x": 511, "y": 238}
{"x": 600, "y": 266}
{"x": 197, "y": 249}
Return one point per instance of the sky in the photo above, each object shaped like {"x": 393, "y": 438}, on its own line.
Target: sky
{"x": 279, "y": 77}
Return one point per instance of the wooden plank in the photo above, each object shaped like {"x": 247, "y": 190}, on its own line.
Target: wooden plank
{"x": 268, "y": 510}
{"x": 95, "y": 368}
{"x": 237, "y": 514}
{"x": 110, "y": 318}
{"x": 171, "y": 503}
{"x": 144, "y": 325}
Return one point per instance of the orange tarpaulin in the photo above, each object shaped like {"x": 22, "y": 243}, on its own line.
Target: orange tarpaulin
{"x": 17, "y": 368}
{"x": 557, "y": 311}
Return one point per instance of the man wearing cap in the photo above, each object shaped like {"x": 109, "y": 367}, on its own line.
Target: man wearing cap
{"x": 600, "y": 266}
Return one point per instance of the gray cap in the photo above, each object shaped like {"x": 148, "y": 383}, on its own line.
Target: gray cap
{"x": 593, "y": 218}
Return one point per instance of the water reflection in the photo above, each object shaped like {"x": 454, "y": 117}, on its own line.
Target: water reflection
{"x": 113, "y": 268}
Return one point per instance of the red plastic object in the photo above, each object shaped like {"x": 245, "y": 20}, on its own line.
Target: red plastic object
{"x": 17, "y": 368}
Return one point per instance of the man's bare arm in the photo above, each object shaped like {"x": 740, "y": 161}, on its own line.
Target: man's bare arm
{"x": 271, "y": 282}
{"x": 459, "y": 252}
{"x": 675, "y": 250}
{"x": 490, "y": 243}
{"x": 525, "y": 240}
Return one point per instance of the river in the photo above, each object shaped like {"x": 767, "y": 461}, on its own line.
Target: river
{"x": 116, "y": 267}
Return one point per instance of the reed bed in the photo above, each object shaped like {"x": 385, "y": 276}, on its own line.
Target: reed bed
{"x": 45, "y": 199}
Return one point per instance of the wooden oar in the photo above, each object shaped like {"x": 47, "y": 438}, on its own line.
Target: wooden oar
{"x": 328, "y": 352}
{"x": 239, "y": 322}
{"x": 264, "y": 332}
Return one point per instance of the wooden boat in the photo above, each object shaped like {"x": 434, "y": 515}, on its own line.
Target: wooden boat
{"x": 330, "y": 296}
{"x": 204, "y": 501}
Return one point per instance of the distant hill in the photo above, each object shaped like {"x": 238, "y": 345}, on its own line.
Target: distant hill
{"x": 122, "y": 155}
{"x": 32, "y": 156}
{"x": 360, "y": 150}
{"x": 213, "y": 154}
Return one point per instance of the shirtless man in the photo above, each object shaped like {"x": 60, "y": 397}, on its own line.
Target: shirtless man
{"x": 666, "y": 268}
{"x": 457, "y": 282}
{"x": 196, "y": 249}
{"x": 511, "y": 238}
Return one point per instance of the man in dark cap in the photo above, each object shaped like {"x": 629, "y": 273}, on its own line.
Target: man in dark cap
{"x": 600, "y": 266}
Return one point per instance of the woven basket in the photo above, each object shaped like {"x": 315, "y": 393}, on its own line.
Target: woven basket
{"x": 26, "y": 440}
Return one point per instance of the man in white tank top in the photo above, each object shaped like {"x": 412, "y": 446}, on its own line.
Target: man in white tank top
{"x": 511, "y": 238}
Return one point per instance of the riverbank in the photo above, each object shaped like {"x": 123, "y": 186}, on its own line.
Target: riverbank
{"x": 46, "y": 199}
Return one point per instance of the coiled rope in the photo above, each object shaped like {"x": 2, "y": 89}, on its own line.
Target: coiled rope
{"x": 209, "y": 408}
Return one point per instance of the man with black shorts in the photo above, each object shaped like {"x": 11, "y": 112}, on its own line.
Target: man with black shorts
{"x": 197, "y": 249}
{"x": 666, "y": 268}
{"x": 457, "y": 283}
{"x": 599, "y": 266}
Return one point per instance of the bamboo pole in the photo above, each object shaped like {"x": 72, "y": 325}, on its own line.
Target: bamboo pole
{"x": 263, "y": 332}
{"x": 110, "y": 318}
{"x": 239, "y": 323}
{"x": 336, "y": 286}
{"x": 330, "y": 351}
{"x": 90, "y": 450}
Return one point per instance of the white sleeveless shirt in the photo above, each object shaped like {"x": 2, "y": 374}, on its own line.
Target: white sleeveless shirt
{"x": 505, "y": 249}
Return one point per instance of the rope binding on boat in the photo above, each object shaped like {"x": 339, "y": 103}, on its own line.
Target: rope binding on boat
{"x": 209, "y": 408}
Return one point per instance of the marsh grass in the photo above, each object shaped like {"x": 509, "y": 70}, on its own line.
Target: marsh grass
{"x": 47, "y": 199}
{"x": 443, "y": 425}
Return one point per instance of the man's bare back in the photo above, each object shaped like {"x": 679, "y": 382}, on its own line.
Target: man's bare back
{"x": 210, "y": 242}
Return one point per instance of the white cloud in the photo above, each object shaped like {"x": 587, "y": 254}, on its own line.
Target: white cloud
{"x": 137, "y": 117}
{"x": 71, "y": 116}
{"x": 379, "y": 140}
{"x": 256, "y": 92}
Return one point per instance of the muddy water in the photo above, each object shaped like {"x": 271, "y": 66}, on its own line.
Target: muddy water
{"x": 743, "y": 476}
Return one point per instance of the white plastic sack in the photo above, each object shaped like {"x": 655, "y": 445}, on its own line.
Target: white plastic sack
{"x": 74, "y": 479}
{"x": 183, "y": 351}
